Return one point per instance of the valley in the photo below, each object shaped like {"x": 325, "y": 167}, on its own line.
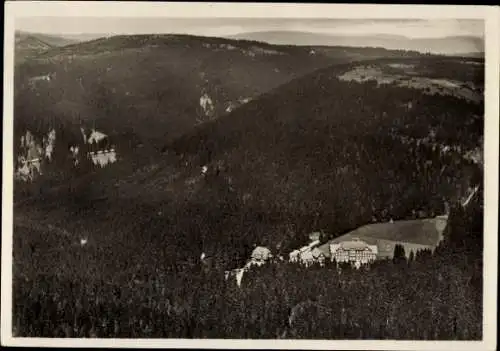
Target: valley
{"x": 114, "y": 83}
{"x": 166, "y": 159}
{"x": 252, "y": 161}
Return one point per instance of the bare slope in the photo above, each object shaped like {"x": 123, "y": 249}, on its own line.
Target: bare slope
{"x": 414, "y": 235}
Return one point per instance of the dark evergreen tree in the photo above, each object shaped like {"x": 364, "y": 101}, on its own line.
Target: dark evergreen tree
{"x": 399, "y": 254}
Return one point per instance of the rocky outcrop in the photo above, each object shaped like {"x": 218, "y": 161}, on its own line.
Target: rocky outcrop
{"x": 33, "y": 154}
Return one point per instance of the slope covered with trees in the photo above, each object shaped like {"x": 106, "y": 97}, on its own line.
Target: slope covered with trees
{"x": 316, "y": 153}
{"x": 428, "y": 297}
{"x": 146, "y": 90}
{"x": 152, "y": 84}
{"x": 323, "y": 153}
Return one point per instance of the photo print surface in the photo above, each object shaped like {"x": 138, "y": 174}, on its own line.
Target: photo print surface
{"x": 235, "y": 178}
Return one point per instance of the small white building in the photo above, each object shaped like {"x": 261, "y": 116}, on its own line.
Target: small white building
{"x": 103, "y": 157}
{"x": 306, "y": 257}
{"x": 261, "y": 253}
{"x": 294, "y": 256}
{"x": 305, "y": 254}
{"x": 318, "y": 256}
{"x": 95, "y": 136}
{"x": 260, "y": 256}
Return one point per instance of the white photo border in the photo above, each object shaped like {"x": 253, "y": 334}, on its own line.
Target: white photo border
{"x": 491, "y": 17}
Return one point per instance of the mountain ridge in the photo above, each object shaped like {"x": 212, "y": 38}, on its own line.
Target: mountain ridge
{"x": 434, "y": 45}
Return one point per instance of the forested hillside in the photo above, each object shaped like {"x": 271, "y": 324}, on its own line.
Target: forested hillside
{"x": 143, "y": 91}
{"x": 309, "y": 155}
{"x": 156, "y": 86}
{"x": 323, "y": 151}
{"x": 318, "y": 153}
{"x": 428, "y": 297}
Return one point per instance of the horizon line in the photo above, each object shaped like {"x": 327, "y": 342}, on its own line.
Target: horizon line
{"x": 231, "y": 36}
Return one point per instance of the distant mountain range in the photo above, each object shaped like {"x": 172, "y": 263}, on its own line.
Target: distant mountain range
{"x": 45, "y": 39}
{"x": 28, "y": 45}
{"x": 455, "y": 45}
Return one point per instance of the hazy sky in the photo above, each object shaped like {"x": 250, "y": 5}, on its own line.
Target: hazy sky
{"x": 230, "y": 26}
